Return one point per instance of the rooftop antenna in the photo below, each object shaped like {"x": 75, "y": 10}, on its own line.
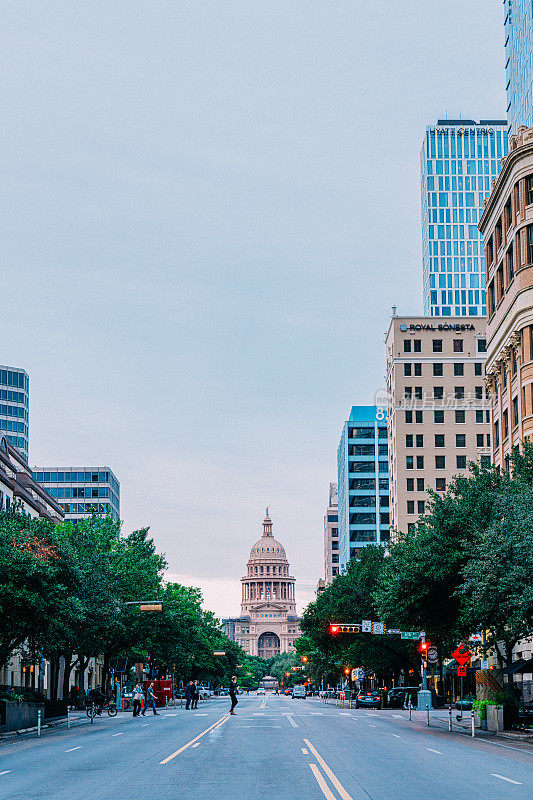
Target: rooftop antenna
{"x": 394, "y": 309}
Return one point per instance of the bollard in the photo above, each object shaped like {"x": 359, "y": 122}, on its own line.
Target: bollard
{"x": 39, "y": 722}
{"x": 427, "y": 712}
{"x": 450, "y": 719}
{"x": 68, "y": 718}
{"x": 410, "y": 710}
{"x": 473, "y": 724}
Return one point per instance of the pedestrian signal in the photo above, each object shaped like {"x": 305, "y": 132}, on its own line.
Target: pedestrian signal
{"x": 336, "y": 628}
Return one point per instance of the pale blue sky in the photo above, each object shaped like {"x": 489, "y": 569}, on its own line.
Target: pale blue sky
{"x": 208, "y": 209}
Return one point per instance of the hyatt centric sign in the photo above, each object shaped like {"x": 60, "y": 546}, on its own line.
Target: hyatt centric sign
{"x": 445, "y": 326}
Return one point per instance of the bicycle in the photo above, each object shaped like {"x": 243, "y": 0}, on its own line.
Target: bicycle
{"x": 108, "y": 705}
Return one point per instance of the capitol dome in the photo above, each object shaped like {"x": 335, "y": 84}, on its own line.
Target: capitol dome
{"x": 267, "y": 548}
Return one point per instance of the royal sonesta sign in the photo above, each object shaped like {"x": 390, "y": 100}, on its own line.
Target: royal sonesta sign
{"x": 444, "y": 326}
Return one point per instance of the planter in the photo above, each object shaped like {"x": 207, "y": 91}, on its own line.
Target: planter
{"x": 494, "y": 718}
{"x": 480, "y": 723}
{"x": 16, "y": 716}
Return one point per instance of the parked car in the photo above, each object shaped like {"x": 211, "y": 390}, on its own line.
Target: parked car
{"x": 261, "y": 691}
{"x": 222, "y": 692}
{"x": 298, "y": 691}
{"x": 399, "y": 696}
{"x": 464, "y": 705}
{"x": 369, "y": 700}
{"x": 288, "y": 691}
{"x": 204, "y": 692}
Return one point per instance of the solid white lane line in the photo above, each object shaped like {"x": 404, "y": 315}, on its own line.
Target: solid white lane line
{"x": 396, "y": 735}
{"x": 118, "y": 734}
{"x": 329, "y": 772}
{"x": 71, "y": 749}
{"x": 326, "y": 791}
{"x": 503, "y": 778}
{"x": 433, "y": 751}
{"x": 293, "y": 723}
{"x": 5, "y": 772}
{"x": 304, "y": 751}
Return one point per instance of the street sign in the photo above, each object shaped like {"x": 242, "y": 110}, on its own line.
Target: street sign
{"x": 393, "y": 630}
{"x": 461, "y": 670}
{"x": 366, "y": 626}
{"x": 360, "y": 674}
{"x": 354, "y": 675}
{"x": 484, "y": 663}
{"x": 462, "y": 654}
{"x": 378, "y": 627}
{"x": 476, "y": 638}
{"x": 410, "y": 635}
{"x": 432, "y": 654}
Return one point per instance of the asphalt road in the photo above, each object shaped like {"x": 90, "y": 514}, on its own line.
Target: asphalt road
{"x": 275, "y": 747}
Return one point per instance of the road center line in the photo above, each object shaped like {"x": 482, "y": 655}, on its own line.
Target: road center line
{"x": 326, "y": 791}
{"x": 503, "y": 778}
{"x": 293, "y": 723}
{"x": 71, "y": 749}
{"x": 219, "y": 722}
{"x": 434, "y": 751}
{"x": 331, "y": 775}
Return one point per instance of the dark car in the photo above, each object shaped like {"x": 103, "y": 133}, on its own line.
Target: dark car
{"x": 464, "y": 705}
{"x": 369, "y": 700}
{"x": 399, "y": 696}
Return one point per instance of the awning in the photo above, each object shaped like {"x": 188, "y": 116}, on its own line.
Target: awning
{"x": 519, "y": 667}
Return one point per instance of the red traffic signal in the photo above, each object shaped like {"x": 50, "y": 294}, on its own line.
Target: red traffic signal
{"x": 336, "y": 627}
{"x": 333, "y": 628}
{"x": 423, "y": 647}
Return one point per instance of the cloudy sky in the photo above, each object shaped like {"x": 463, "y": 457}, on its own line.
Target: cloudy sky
{"x": 208, "y": 208}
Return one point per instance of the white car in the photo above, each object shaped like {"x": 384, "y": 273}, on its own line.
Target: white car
{"x": 261, "y": 691}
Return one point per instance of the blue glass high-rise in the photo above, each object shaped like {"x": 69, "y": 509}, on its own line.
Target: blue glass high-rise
{"x": 459, "y": 160}
{"x": 519, "y": 62}
{"x": 363, "y": 482}
{"x": 14, "y": 407}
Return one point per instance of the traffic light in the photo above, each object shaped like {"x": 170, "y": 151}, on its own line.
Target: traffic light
{"x": 347, "y": 670}
{"x": 336, "y": 628}
{"x": 423, "y": 648}
{"x": 304, "y": 659}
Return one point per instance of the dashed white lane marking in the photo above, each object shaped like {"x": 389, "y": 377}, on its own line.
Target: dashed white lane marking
{"x": 396, "y": 735}
{"x": 503, "y": 778}
{"x": 197, "y": 744}
{"x": 397, "y": 716}
{"x": 304, "y": 751}
{"x": 434, "y": 751}
{"x": 293, "y": 723}
{"x": 117, "y": 734}
{"x": 144, "y": 724}
{"x": 71, "y": 749}
{"x": 5, "y": 772}
{"x": 175, "y": 715}
{"x": 370, "y": 725}
{"x": 317, "y": 714}
{"x": 344, "y": 713}
{"x": 196, "y": 715}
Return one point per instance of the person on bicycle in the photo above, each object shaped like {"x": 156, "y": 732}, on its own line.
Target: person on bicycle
{"x": 98, "y": 698}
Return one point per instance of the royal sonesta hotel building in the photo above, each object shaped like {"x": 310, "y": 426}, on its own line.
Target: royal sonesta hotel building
{"x": 507, "y": 228}
{"x": 438, "y": 409}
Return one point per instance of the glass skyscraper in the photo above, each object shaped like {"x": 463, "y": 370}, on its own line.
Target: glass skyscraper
{"x": 14, "y": 407}
{"x": 363, "y": 482}
{"x": 519, "y": 62}
{"x": 459, "y": 160}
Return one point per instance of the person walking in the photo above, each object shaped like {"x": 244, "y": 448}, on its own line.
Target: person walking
{"x": 138, "y": 696}
{"x": 189, "y": 692}
{"x": 195, "y": 694}
{"x": 150, "y": 700}
{"x": 233, "y": 694}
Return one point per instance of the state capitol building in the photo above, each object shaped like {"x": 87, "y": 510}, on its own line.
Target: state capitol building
{"x": 268, "y": 624}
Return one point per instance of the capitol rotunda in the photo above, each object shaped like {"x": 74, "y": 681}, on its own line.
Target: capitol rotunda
{"x": 268, "y": 624}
